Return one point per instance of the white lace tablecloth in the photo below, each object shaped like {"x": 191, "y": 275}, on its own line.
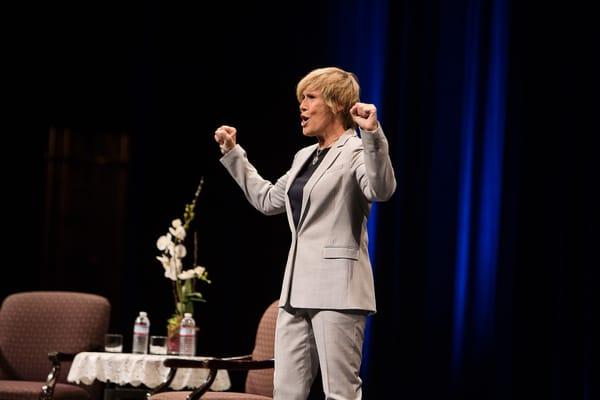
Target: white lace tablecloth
{"x": 137, "y": 369}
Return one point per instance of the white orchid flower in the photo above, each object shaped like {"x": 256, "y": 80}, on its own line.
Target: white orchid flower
{"x": 170, "y": 274}
{"x": 199, "y": 271}
{"x": 176, "y": 264}
{"x": 163, "y": 242}
{"x": 164, "y": 260}
{"x": 171, "y": 249}
{"x": 169, "y": 266}
{"x": 179, "y": 233}
{"x": 180, "y": 251}
{"x": 172, "y": 267}
{"x": 177, "y": 229}
{"x": 187, "y": 274}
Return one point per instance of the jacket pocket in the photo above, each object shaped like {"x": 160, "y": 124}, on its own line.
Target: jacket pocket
{"x": 340, "y": 252}
{"x": 335, "y": 167}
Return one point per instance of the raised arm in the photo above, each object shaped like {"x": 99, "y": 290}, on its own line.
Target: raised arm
{"x": 265, "y": 196}
{"x": 372, "y": 166}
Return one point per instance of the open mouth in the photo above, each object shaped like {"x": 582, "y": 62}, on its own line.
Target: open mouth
{"x": 303, "y": 120}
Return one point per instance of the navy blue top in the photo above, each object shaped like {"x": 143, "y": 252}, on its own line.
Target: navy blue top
{"x": 297, "y": 188}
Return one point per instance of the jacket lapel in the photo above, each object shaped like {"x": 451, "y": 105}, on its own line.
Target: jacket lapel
{"x": 329, "y": 159}
{"x": 295, "y": 170}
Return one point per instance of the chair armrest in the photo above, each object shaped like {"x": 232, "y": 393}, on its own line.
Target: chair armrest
{"x": 240, "y": 363}
{"x": 174, "y": 364}
{"x": 243, "y": 363}
{"x": 244, "y": 357}
{"x": 56, "y": 357}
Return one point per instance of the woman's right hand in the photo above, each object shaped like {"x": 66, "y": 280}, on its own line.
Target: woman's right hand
{"x": 226, "y": 137}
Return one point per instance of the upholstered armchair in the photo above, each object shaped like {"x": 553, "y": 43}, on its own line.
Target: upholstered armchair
{"x": 259, "y": 364}
{"x": 40, "y": 333}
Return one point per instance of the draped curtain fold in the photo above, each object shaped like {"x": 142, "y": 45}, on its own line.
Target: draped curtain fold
{"x": 448, "y": 250}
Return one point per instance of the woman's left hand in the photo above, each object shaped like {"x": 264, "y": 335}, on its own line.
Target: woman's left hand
{"x": 365, "y": 116}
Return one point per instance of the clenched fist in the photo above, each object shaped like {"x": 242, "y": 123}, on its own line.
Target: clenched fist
{"x": 365, "y": 116}
{"x": 226, "y": 137}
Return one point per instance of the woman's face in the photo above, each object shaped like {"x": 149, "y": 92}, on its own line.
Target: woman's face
{"x": 316, "y": 117}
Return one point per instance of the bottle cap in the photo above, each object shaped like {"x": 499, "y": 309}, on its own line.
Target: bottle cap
{"x": 187, "y": 315}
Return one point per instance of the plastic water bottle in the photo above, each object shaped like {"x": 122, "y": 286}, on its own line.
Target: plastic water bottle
{"x": 187, "y": 336}
{"x": 141, "y": 332}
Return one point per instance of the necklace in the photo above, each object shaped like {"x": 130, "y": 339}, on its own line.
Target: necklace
{"x": 317, "y": 154}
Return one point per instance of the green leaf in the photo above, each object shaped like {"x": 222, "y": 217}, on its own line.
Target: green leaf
{"x": 201, "y": 300}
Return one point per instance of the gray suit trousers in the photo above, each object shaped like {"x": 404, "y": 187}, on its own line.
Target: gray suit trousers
{"x": 307, "y": 339}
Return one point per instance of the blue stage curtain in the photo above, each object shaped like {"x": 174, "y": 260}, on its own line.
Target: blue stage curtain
{"x": 483, "y": 257}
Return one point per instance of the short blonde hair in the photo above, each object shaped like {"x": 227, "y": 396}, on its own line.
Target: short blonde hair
{"x": 340, "y": 90}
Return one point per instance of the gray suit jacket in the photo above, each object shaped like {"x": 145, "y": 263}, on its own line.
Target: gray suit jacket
{"x": 328, "y": 263}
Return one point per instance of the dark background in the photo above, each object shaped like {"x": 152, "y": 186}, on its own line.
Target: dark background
{"x": 115, "y": 109}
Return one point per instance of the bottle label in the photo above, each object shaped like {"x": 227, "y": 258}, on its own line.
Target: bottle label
{"x": 186, "y": 331}
{"x": 141, "y": 329}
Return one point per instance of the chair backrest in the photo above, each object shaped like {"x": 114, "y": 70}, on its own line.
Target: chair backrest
{"x": 261, "y": 381}
{"x": 35, "y": 323}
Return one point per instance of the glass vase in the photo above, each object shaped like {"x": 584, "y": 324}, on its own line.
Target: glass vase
{"x": 173, "y": 340}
